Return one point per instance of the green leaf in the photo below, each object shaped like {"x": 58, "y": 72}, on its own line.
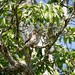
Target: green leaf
{"x": 27, "y": 50}
{"x": 56, "y": 72}
{"x": 65, "y": 39}
{"x": 68, "y": 28}
{"x": 40, "y": 4}
{"x": 57, "y": 20}
{"x": 47, "y": 16}
{"x": 73, "y": 30}
{"x": 4, "y": 21}
{"x": 60, "y": 39}
{"x": 70, "y": 40}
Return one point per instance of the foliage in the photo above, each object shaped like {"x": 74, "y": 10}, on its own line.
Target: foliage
{"x": 53, "y": 26}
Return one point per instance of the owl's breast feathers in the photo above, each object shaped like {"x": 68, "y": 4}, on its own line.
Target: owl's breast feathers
{"x": 33, "y": 38}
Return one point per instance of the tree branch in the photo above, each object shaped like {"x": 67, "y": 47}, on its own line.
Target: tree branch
{"x": 27, "y": 55}
{"x": 17, "y": 22}
{"x": 10, "y": 27}
{"x": 3, "y": 4}
{"x": 53, "y": 42}
{"x": 7, "y": 54}
{"x": 15, "y": 66}
{"x": 18, "y": 67}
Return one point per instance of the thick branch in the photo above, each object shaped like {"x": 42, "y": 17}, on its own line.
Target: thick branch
{"x": 7, "y": 54}
{"x": 18, "y": 67}
{"x": 12, "y": 16}
{"x": 51, "y": 44}
{"x": 15, "y": 65}
{"x": 17, "y": 25}
{"x": 17, "y": 21}
{"x": 27, "y": 55}
{"x": 74, "y": 6}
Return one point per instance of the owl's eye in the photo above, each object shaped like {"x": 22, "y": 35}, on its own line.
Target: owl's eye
{"x": 34, "y": 33}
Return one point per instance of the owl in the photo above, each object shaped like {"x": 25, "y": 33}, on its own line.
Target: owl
{"x": 33, "y": 38}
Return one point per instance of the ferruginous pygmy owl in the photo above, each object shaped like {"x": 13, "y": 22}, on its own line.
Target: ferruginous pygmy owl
{"x": 33, "y": 38}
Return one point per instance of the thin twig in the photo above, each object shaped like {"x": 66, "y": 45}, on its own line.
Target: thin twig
{"x": 2, "y": 6}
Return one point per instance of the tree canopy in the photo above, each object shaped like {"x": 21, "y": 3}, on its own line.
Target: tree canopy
{"x": 35, "y": 37}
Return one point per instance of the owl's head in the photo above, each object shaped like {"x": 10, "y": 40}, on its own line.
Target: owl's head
{"x": 37, "y": 32}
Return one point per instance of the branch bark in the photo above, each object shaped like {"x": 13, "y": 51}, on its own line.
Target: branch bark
{"x": 7, "y": 54}
{"x": 18, "y": 67}
{"x": 27, "y": 55}
{"x": 15, "y": 66}
{"x": 17, "y": 22}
